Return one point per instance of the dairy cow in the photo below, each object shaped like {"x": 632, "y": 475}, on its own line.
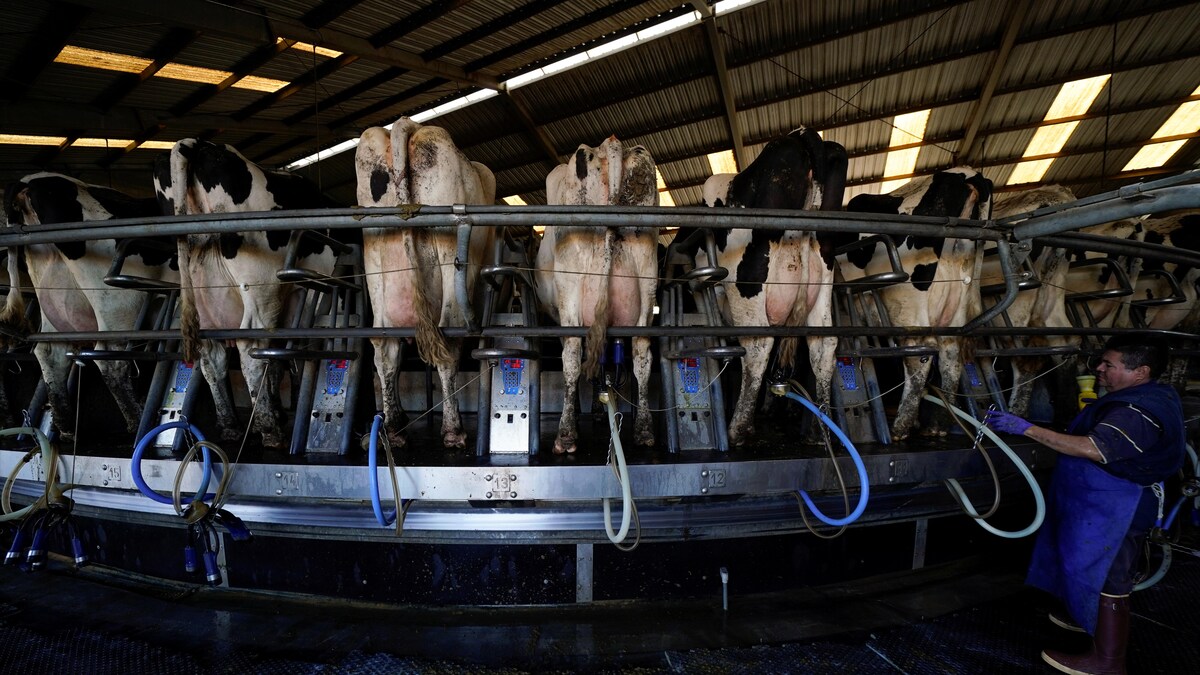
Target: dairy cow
{"x": 1043, "y": 306}
{"x": 776, "y": 277}
{"x": 228, "y": 280}
{"x": 410, "y": 271}
{"x": 68, "y": 280}
{"x": 600, "y": 277}
{"x": 943, "y": 275}
{"x": 1181, "y": 231}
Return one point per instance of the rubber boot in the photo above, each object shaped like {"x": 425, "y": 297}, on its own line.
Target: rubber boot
{"x": 1107, "y": 655}
{"x": 1063, "y": 620}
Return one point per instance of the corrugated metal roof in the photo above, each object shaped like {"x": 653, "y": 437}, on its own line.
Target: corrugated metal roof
{"x": 845, "y": 68}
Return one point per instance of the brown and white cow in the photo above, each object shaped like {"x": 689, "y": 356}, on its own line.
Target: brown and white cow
{"x": 68, "y": 280}
{"x": 229, "y": 281}
{"x": 597, "y": 276}
{"x": 943, "y": 276}
{"x": 410, "y": 271}
{"x": 776, "y": 277}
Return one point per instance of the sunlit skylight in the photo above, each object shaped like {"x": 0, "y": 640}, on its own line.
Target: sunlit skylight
{"x": 1073, "y": 99}
{"x": 1185, "y": 120}
{"x": 124, "y": 63}
{"x": 907, "y": 130}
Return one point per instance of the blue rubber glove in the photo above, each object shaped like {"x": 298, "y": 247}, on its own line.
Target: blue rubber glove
{"x": 1007, "y": 422}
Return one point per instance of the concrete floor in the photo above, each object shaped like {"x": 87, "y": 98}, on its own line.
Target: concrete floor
{"x": 972, "y": 617}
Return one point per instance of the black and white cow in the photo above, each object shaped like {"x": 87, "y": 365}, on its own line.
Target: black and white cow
{"x": 68, "y": 280}
{"x": 601, "y": 277}
{"x": 410, "y": 271}
{"x": 943, "y": 275}
{"x": 779, "y": 278}
{"x": 228, "y": 280}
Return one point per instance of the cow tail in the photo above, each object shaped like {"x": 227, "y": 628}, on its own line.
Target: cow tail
{"x": 596, "y": 332}
{"x": 431, "y": 344}
{"x": 189, "y": 317}
{"x": 13, "y": 314}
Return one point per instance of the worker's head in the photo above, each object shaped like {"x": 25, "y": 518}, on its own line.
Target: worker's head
{"x": 1130, "y": 360}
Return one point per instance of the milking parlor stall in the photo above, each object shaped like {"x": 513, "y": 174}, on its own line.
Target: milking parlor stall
{"x": 573, "y": 303}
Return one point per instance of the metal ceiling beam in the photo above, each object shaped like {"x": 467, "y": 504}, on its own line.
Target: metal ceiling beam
{"x": 253, "y": 61}
{"x": 128, "y": 121}
{"x": 327, "y": 11}
{"x": 724, "y": 84}
{"x": 949, "y": 138}
{"x": 417, "y": 19}
{"x": 51, "y": 36}
{"x": 311, "y": 78}
{"x": 163, "y": 52}
{"x": 259, "y": 27}
{"x": 1012, "y": 28}
{"x": 952, "y": 99}
{"x": 543, "y": 141}
{"x": 626, "y": 92}
{"x": 379, "y": 79}
{"x": 609, "y": 10}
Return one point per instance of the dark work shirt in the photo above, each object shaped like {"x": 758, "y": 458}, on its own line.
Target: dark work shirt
{"x": 1124, "y": 432}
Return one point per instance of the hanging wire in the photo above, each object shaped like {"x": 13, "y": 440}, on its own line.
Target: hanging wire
{"x": 849, "y": 101}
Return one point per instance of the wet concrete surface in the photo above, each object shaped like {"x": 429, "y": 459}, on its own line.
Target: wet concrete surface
{"x": 969, "y": 617}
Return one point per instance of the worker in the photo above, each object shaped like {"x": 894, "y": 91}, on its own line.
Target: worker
{"x": 1101, "y": 503}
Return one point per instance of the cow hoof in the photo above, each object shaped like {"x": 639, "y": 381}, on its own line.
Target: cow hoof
{"x": 230, "y": 435}
{"x": 454, "y": 439}
{"x": 646, "y": 441}
{"x": 274, "y": 441}
{"x": 564, "y": 445}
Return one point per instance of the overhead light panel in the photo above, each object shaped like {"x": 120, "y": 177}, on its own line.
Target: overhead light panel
{"x": 124, "y": 63}
{"x": 1185, "y": 120}
{"x": 664, "y": 194}
{"x": 313, "y": 49}
{"x": 722, "y": 162}
{"x": 514, "y": 200}
{"x": 155, "y": 145}
{"x": 101, "y": 143}
{"x": 908, "y": 132}
{"x": 1073, "y": 100}
{"x": 19, "y": 139}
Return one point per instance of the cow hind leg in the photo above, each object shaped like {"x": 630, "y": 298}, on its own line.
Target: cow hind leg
{"x": 754, "y": 365}
{"x": 572, "y": 352}
{"x": 215, "y": 368}
{"x": 120, "y": 378}
{"x": 950, "y": 368}
{"x": 56, "y": 369}
{"x": 387, "y": 362}
{"x": 453, "y": 435}
{"x": 1023, "y": 370}
{"x": 643, "y": 425}
{"x": 916, "y": 374}
{"x": 262, "y": 380}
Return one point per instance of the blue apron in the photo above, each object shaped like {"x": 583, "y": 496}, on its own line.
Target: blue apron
{"x": 1090, "y": 510}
